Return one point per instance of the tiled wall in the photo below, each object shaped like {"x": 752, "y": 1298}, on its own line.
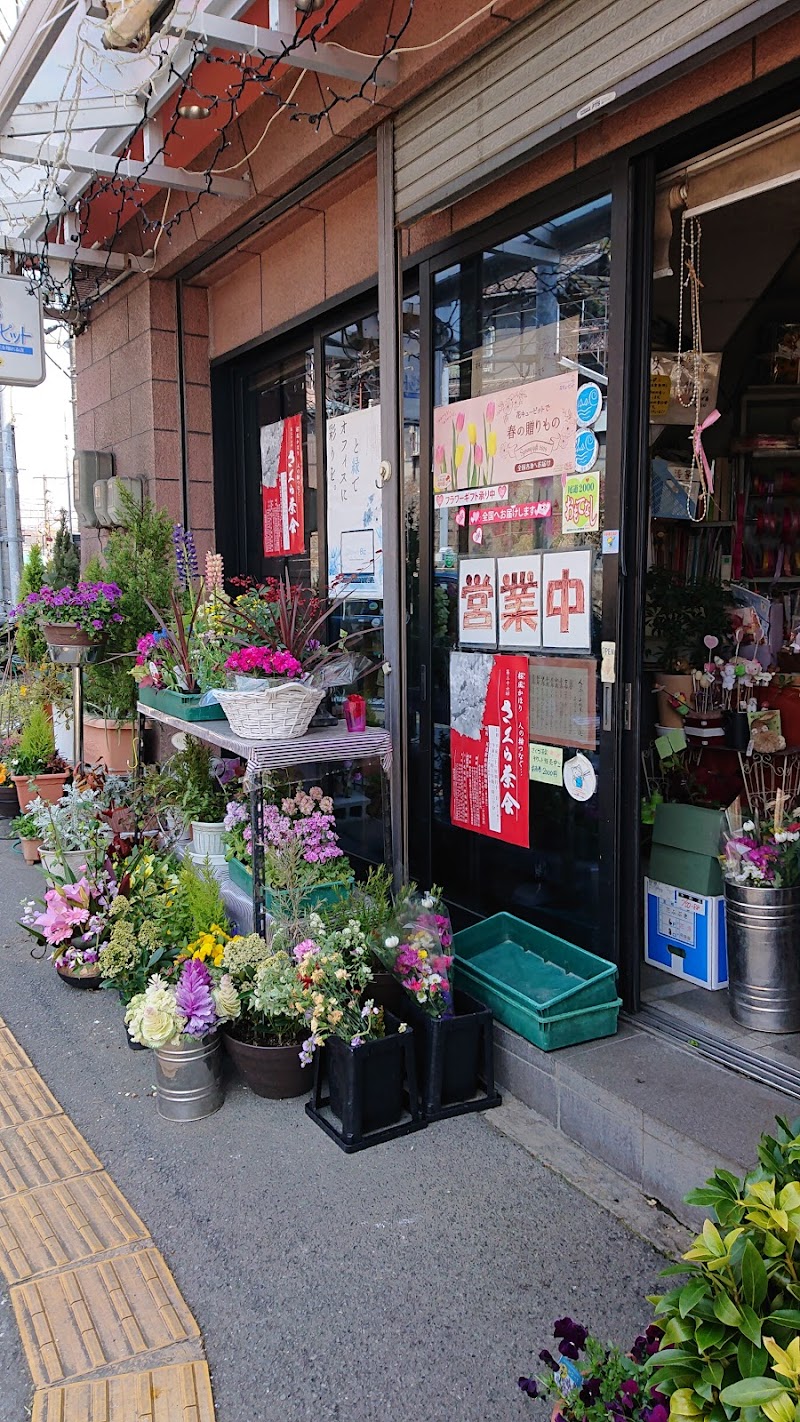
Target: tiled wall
{"x": 127, "y": 365}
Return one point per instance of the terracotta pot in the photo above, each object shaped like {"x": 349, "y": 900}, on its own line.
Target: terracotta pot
{"x": 679, "y": 684}
{"x": 49, "y": 787}
{"x": 108, "y": 741}
{"x": 274, "y": 1072}
{"x": 66, "y": 635}
{"x": 30, "y": 850}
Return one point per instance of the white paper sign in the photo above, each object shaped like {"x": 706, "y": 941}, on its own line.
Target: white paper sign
{"x": 519, "y": 601}
{"x": 21, "y": 333}
{"x": 355, "y": 550}
{"x": 580, "y": 780}
{"x": 477, "y": 602}
{"x": 567, "y": 599}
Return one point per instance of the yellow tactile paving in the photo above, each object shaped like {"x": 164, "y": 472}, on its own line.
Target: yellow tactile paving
{"x": 181, "y": 1393}
{"x": 12, "y": 1057}
{"x": 63, "y": 1224}
{"x": 79, "y": 1320}
{"x": 24, "y": 1097}
{"x": 42, "y": 1153}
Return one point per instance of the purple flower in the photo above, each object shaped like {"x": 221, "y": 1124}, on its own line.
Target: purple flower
{"x": 529, "y": 1386}
{"x": 356, "y": 1041}
{"x": 193, "y": 999}
{"x": 545, "y": 1357}
{"x": 572, "y": 1334}
{"x": 590, "y": 1391}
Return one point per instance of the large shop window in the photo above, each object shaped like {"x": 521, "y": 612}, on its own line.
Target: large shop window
{"x": 519, "y": 371}
{"x": 281, "y": 526}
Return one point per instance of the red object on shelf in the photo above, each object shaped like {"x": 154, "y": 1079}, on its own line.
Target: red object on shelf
{"x": 355, "y": 713}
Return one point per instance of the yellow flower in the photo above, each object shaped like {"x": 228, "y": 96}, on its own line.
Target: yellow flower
{"x": 422, "y": 953}
{"x": 459, "y": 455}
{"x": 3, "y": 774}
{"x": 472, "y": 433}
{"x": 23, "y": 691}
{"x": 491, "y": 443}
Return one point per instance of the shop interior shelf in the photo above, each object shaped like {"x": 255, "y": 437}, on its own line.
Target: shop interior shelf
{"x": 546, "y": 989}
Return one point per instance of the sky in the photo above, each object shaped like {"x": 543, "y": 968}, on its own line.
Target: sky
{"x": 44, "y": 434}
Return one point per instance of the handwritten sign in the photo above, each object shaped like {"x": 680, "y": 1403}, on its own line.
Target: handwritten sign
{"x": 567, "y": 598}
{"x": 519, "y": 601}
{"x": 353, "y": 457}
{"x": 520, "y": 433}
{"x": 489, "y": 745}
{"x": 546, "y": 763}
{"x": 477, "y": 602}
{"x": 281, "y": 449}
{"x": 563, "y": 701}
{"x": 581, "y": 512}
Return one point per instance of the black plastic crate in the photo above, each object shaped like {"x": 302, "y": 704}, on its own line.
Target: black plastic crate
{"x": 368, "y": 1094}
{"x": 454, "y": 1058}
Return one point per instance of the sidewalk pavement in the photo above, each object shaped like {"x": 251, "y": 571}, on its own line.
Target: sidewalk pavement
{"x": 412, "y": 1282}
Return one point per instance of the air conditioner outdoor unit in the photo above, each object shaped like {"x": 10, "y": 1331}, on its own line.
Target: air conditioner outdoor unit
{"x": 88, "y": 466}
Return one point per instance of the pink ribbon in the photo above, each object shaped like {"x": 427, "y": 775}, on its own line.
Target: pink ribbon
{"x": 699, "y": 452}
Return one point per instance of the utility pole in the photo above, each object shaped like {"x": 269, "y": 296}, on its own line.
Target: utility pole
{"x": 13, "y": 530}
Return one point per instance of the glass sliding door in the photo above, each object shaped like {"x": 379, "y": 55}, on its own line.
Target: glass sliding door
{"x": 514, "y": 565}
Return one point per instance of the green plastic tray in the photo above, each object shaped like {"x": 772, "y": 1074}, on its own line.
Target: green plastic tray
{"x": 175, "y": 703}
{"x": 549, "y": 991}
{"x": 315, "y": 897}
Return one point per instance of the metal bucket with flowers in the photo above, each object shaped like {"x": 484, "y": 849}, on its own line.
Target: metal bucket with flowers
{"x": 73, "y": 621}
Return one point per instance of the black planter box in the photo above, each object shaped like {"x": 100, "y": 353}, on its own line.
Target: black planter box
{"x": 454, "y": 1058}
{"x": 371, "y": 1093}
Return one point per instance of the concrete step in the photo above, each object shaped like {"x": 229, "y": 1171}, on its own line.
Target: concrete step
{"x": 652, "y": 1109}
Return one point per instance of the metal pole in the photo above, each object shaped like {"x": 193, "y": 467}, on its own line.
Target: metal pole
{"x": 10, "y": 483}
{"x": 77, "y": 716}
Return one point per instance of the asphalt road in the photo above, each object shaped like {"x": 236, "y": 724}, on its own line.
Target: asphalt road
{"x": 413, "y": 1282}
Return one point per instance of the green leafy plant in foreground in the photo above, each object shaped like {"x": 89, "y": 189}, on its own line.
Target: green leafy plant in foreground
{"x": 731, "y": 1349}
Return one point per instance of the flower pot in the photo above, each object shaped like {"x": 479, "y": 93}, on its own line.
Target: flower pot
{"x": 70, "y": 646}
{"x": 676, "y": 684}
{"x": 56, "y": 864}
{"x": 31, "y": 849}
{"x": 274, "y": 1072}
{"x": 189, "y": 1078}
{"x": 386, "y": 992}
{"x": 763, "y": 926}
{"x": 737, "y": 730}
{"x": 48, "y": 787}
{"x": 704, "y": 728}
{"x": 279, "y": 901}
{"x": 372, "y": 1089}
{"x": 207, "y": 838}
{"x": 181, "y": 704}
{"x": 454, "y": 1057}
{"x": 88, "y": 977}
{"x": 9, "y": 801}
{"x": 108, "y": 741}
{"x": 67, "y": 634}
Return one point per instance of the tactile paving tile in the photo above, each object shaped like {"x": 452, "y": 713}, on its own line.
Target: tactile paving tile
{"x": 12, "y": 1057}
{"x": 180, "y": 1393}
{"x": 43, "y": 1153}
{"x": 62, "y": 1224}
{"x": 24, "y": 1097}
{"x": 83, "y": 1319}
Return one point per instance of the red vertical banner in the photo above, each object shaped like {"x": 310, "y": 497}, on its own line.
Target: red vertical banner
{"x": 489, "y": 745}
{"x": 282, "y": 487}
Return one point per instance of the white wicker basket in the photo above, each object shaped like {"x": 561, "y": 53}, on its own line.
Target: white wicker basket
{"x": 276, "y": 714}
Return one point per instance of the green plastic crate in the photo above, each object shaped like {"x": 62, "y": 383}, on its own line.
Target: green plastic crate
{"x": 276, "y": 899}
{"x": 175, "y": 703}
{"x": 547, "y": 990}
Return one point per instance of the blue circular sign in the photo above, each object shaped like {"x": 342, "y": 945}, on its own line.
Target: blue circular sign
{"x": 588, "y": 403}
{"x": 586, "y": 450}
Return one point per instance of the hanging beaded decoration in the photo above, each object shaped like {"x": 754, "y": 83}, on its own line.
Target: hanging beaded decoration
{"x": 690, "y": 362}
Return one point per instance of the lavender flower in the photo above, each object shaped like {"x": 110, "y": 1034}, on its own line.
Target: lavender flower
{"x": 178, "y": 543}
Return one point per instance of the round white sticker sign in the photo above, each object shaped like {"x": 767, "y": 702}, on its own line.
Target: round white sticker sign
{"x": 579, "y": 778}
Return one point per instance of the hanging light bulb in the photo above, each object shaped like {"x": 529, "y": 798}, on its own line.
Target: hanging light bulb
{"x": 307, "y": 6}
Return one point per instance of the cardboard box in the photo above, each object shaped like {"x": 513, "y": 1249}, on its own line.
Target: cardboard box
{"x": 686, "y": 846}
{"x": 685, "y": 934}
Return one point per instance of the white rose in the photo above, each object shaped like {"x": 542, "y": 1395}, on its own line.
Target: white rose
{"x": 392, "y": 942}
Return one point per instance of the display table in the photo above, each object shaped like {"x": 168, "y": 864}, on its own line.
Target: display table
{"x": 325, "y": 748}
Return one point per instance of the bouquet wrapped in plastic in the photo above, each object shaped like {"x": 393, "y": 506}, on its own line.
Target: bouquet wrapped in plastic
{"x": 416, "y": 948}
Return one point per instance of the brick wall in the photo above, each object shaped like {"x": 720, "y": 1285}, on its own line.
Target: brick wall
{"x": 127, "y": 392}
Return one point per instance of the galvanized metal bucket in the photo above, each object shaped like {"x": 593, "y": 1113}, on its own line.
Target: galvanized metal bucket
{"x": 189, "y": 1079}
{"x": 763, "y": 930}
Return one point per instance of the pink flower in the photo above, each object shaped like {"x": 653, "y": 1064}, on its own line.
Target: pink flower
{"x": 490, "y": 412}
{"x": 460, "y": 421}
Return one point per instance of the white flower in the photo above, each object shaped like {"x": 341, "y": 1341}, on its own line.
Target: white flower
{"x": 428, "y": 901}
{"x": 392, "y": 942}
{"x": 748, "y": 827}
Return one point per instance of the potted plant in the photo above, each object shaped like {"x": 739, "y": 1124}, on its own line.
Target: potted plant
{"x": 74, "y": 836}
{"x": 589, "y": 1381}
{"x": 264, "y": 1040}
{"x": 731, "y": 1325}
{"x": 679, "y": 614}
{"x": 303, "y": 863}
{"x": 73, "y": 922}
{"x": 366, "y": 1059}
{"x": 181, "y": 661}
{"x": 24, "y": 827}
{"x": 9, "y": 802}
{"x": 198, "y": 786}
{"x": 71, "y": 617}
{"x": 35, "y": 767}
{"x": 761, "y": 864}
{"x": 180, "y": 1022}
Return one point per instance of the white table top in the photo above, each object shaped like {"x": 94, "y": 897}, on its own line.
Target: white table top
{"x": 333, "y": 744}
